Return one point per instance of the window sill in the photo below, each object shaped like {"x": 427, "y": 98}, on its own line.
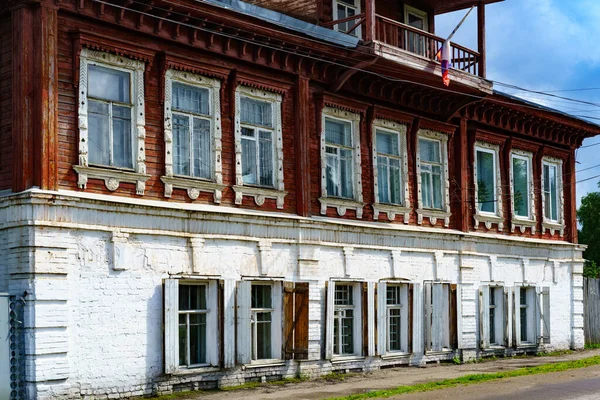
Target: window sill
{"x": 265, "y": 363}
{"x": 391, "y": 210}
{"x": 346, "y": 359}
{"x": 553, "y": 226}
{"x": 196, "y": 370}
{"x": 391, "y": 355}
{"x": 112, "y": 178}
{"x": 522, "y": 224}
{"x": 259, "y": 194}
{"x": 193, "y": 185}
{"x": 341, "y": 205}
{"x": 488, "y": 220}
{"x": 444, "y": 352}
{"x": 433, "y": 216}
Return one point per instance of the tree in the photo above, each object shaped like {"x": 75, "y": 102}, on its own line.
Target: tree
{"x": 588, "y": 216}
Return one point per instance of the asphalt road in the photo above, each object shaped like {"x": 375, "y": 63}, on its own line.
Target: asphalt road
{"x": 579, "y": 384}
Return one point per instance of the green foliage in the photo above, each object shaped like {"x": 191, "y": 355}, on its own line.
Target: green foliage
{"x": 588, "y": 216}
{"x": 591, "y": 269}
{"x": 476, "y": 378}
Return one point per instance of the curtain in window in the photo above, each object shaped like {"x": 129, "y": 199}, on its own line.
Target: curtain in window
{"x": 485, "y": 182}
{"x": 189, "y": 98}
{"x": 429, "y": 151}
{"x": 521, "y": 187}
{"x": 249, "y": 172}
{"x": 98, "y": 133}
{"x": 108, "y": 84}
{"x": 256, "y": 112}
{"x": 202, "y": 149}
{"x": 339, "y": 160}
{"x": 181, "y": 145}
{"x": 550, "y": 193}
{"x": 265, "y": 150}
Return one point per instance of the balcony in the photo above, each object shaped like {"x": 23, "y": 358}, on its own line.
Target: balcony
{"x": 413, "y": 42}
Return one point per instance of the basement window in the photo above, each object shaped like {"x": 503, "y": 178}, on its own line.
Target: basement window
{"x": 191, "y": 327}
{"x": 493, "y": 307}
{"x": 394, "y": 309}
{"x": 344, "y": 319}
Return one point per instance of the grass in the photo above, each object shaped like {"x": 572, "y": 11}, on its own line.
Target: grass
{"x": 476, "y": 378}
{"x": 592, "y": 346}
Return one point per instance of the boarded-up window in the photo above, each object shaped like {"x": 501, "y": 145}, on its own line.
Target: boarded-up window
{"x": 295, "y": 308}
{"x": 440, "y": 316}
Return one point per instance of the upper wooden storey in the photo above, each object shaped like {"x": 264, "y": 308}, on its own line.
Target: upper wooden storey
{"x": 309, "y": 84}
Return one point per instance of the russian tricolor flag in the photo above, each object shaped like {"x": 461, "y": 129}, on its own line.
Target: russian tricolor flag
{"x": 445, "y": 57}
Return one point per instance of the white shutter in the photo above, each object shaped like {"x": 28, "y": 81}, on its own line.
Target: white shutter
{"x": 545, "y": 295}
{"x": 213, "y": 332}
{"x": 506, "y": 309}
{"x": 329, "y": 320}
{"x": 437, "y": 311}
{"x": 484, "y": 317}
{"x": 371, "y": 319}
{"x": 277, "y": 321}
{"x": 171, "y": 329}
{"x": 382, "y": 318}
{"x": 244, "y": 336}
{"x": 517, "y": 316}
{"x": 427, "y": 321}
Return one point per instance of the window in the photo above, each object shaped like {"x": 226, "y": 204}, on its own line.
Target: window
{"x": 191, "y": 324}
{"x": 431, "y": 173}
{"x": 486, "y": 181}
{"x": 440, "y": 316}
{"x": 344, "y": 9}
{"x": 394, "y": 308}
{"x": 259, "y": 148}
{"x": 390, "y": 169}
{"x": 493, "y": 317}
{"x": 525, "y": 309}
{"x": 344, "y": 319}
{"x": 432, "y": 178}
{"x": 522, "y": 191}
{"x": 550, "y": 192}
{"x": 338, "y": 136}
{"x": 192, "y": 134}
{"x": 111, "y": 120}
{"x": 191, "y": 131}
{"x": 416, "y": 43}
{"x": 389, "y": 163}
{"x": 257, "y": 142}
{"x": 341, "y": 182}
{"x": 259, "y": 306}
{"x": 262, "y": 310}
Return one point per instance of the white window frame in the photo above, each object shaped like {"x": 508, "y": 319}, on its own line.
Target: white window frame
{"x": 357, "y": 32}
{"x": 260, "y": 193}
{"x": 403, "y": 208}
{"x": 434, "y": 214}
{"x": 330, "y": 350}
{"x": 559, "y": 223}
{"x": 497, "y": 216}
{"x": 383, "y": 330}
{"x": 532, "y": 316}
{"x": 245, "y": 345}
{"x": 500, "y": 294}
{"x": 171, "y": 317}
{"x": 194, "y": 185}
{"x": 340, "y": 204}
{"x": 519, "y": 221}
{"x": 437, "y": 311}
{"x": 113, "y": 176}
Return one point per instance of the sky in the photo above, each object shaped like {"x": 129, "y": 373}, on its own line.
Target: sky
{"x": 543, "y": 45}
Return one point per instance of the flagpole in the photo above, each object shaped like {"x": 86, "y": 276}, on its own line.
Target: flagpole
{"x": 455, "y": 29}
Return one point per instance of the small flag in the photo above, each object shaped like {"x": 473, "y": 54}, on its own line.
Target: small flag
{"x": 444, "y": 56}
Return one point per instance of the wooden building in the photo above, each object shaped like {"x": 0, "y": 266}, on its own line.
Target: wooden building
{"x": 205, "y": 193}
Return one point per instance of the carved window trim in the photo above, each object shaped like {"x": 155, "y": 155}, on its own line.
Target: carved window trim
{"x": 341, "y": 205}
{"x": 559, "y": 224}
{"x": 112, "y": 176}
{"x": 434, "y": 214}
{"x": 194, "y": 185}
{"x": 391, "y": 209}
{"x": 522, "y": 222}
{"x": 258, "y": 192}
{"x": 488, "y": 218}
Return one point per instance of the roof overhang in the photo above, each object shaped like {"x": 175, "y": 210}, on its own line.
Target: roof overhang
{"x": 446, "y": 6}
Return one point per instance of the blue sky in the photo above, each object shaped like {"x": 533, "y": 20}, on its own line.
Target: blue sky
{"x": 543, "y": 45}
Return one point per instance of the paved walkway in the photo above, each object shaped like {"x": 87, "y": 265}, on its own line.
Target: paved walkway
{"x": 384, "y": 379}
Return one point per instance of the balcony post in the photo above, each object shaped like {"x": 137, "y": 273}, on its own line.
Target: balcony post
{"x": 481, "y": 37}
{"x": 369, "y": 21}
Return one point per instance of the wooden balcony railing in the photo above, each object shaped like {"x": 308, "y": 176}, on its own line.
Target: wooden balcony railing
{"x": 423, "y": 43}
